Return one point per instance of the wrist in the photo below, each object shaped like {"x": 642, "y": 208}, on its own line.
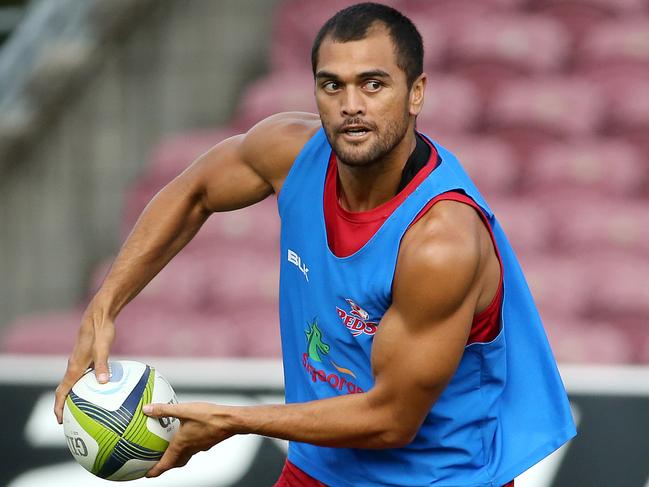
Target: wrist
{"x": 229, "y": 419}
{"x": 102, "y": 306}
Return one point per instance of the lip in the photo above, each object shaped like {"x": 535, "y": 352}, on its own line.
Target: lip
{"x": 345, "y": 132}
{"x": 354, "y": 126}
{"x": 355, "y": 138}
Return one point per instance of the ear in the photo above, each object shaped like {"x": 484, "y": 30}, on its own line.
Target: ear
{"x": 416, "y": 100}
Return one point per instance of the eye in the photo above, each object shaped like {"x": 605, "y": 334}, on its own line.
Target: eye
{"x": 373, "y": 86}
{"x": 330, "y": 86}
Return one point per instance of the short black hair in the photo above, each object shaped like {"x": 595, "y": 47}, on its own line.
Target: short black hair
{"x": 353, "y": 23}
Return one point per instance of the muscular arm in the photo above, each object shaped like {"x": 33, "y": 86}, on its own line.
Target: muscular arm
{"x": 236, "y": 173}
{"x": 416, "y": 350}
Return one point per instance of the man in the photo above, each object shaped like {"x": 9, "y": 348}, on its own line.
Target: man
{"x": 403, "y": 363}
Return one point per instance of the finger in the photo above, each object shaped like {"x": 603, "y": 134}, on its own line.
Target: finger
{"x": 157, "y": 410}
{"x": 59, "y": 400}
{"x": 100, "y": 358}
{"x": 72, "y": 374}
{"x": 173, "y": 457}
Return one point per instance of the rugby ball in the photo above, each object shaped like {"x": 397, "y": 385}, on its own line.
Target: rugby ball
{"x": 105, "y": 428}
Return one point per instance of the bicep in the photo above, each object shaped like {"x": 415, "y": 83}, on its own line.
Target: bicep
{"x": 422, "y": 336}
{"x": 413, "y": 362}
{"x": 224, "y": 180}
{"x": 245, "y": 169}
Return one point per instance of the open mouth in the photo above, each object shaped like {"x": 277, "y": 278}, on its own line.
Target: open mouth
{"x": 355, "y": 131}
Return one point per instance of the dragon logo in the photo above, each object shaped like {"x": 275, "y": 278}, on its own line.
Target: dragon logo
{"x": 315, "y": 345}
{"x": 316, "y": 350}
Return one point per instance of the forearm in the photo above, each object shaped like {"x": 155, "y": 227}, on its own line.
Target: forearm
{"x": 350, "y": 421}
{"x": 168, "y": 222}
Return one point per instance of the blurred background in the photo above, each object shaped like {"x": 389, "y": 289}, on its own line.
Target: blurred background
{"x": 102, "y": 102}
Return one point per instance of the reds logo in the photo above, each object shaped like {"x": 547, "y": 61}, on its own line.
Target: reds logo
{"x": 356, "y": 319}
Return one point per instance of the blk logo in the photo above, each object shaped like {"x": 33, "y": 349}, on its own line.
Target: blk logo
{"x": 295, "y": 259}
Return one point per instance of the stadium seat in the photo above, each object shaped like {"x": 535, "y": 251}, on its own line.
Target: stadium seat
{"x": 255, "y": 226}
{"x": 527, "y": 223}
{"x": 599, "y": 223}
{"x": 182, "y": 284}
{"x": 559, "y": 106}
{"x": 579, "y": 16}
{"x": 578, "y": 341}
{"x": 558, "y": 283}
{"x": 608, "y": 7}
{"x": 295, "y": 25}
{"x": 607, "y": 167}
{"x": 617, "y": 44}
{"x": 490, "y": 162}
{"x": 281, "y": 91}
{"x": 643, "y": 355}
{"x": 173, "y": 154}
{"x": 259, "y": 325}
{"x": 213, "y": 274}
{"x": 241, "y": 275}
{"x": 451, "y": 105}
{"x": 149, "y": 330}
{"x": 458, "y": 8}
{"x": 619, "y": 284}
{"x": 168, "y": 159}
{"x": 436, "y": 37}
{"x": 297, "y": 22}
{"x": 492, "y": 49}
{"x": 529, "y": 113}
{"x": 53, "y": 332}
{"x": 627, "y": 100}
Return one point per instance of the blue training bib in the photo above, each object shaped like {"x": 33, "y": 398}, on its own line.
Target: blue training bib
{"x": 505, "y": 407}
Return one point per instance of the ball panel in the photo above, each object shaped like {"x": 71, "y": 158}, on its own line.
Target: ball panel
{"x": 124, "y": 377}
{"x": 123, "y": 452}
{"x": 137, "y": 431}
{"x": 163, "y": 393}
{"x": 84, "y": 448}
{"x": 131, "y": 470}
{"x": 105, "y": 438}
{"x": 115, "y": 421}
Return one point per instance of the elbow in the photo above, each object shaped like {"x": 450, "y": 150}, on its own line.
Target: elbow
{"x": 397, "y": 436}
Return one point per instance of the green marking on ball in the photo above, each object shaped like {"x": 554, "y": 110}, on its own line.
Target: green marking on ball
{"x": 137, "y": 432}
{"x": 106, "y": 439}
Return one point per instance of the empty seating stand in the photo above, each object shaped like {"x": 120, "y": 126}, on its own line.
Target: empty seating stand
{"x": 493, "y": 49}
{"x": 608, "y": 167}
{"x": 579, "y": 16}
{"x": 545, "y": 102}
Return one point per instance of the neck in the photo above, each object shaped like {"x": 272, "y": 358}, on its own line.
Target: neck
{"x": 363, "y": 188}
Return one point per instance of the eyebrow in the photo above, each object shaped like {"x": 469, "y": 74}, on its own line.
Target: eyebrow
{"x": 374, "y": 73}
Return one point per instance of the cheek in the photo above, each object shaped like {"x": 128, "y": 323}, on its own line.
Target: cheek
{"x": 326, "y": 105}
{"x": 394, "y": 109}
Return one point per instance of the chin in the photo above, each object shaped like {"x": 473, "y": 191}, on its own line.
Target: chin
{"x": 356, "y": 157}
{"x": 361, "y": 154}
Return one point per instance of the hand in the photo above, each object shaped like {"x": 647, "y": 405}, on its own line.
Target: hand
{"x": 200, "y": 429}
{"x": 95, "y": 337}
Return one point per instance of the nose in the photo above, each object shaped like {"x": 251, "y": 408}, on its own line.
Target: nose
{"x": 352, "y": 103}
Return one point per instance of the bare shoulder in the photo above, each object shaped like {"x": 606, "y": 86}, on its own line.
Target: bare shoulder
{"x": 447, "y": 225}
{"x": 271, "y": 146}
{"x": 440, "y": 258}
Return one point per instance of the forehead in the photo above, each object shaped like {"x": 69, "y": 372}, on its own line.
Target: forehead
{"x": 375, "y": 51}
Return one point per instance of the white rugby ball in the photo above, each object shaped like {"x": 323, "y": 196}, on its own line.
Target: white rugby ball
{"x": 105, "y": 428}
